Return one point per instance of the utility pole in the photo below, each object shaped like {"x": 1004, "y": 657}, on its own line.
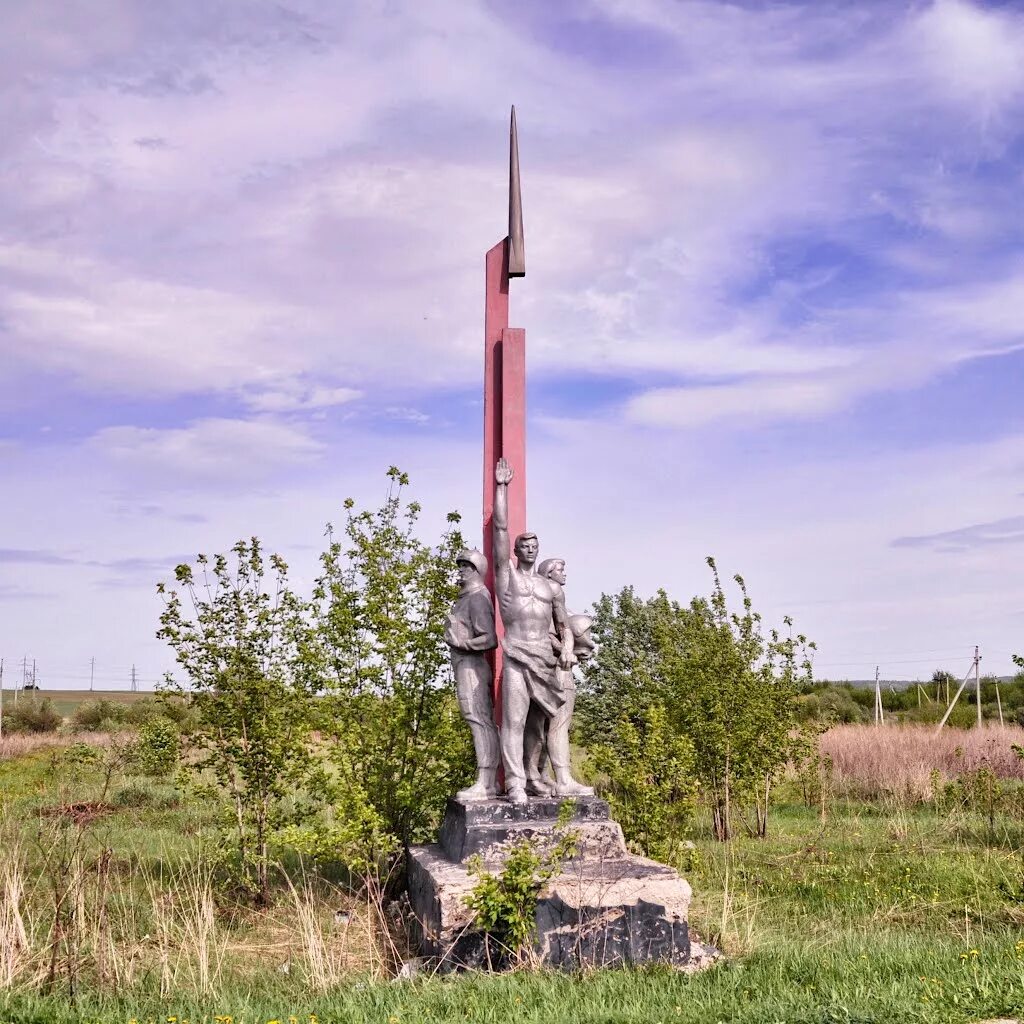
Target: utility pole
{"x": 135, "y": 685}
{"x": 92, "y": 672}
{"x": 35, "y": 685}
{"x": 879, "y": 713}
{"x": 952, "y": 703}
{"x": 977, "y": 681}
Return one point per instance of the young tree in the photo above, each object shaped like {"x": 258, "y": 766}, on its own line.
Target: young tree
{"x": 240, "y": 635}
{"x": 626, "y": 674}
{"x": 379, "y": 611}
{"x": 726, "y": 690}
{"x": 735, "y": 699}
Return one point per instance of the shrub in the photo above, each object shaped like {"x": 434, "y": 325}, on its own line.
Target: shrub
{"x": 650, "y": 781}
{"x": 134, "y": 794}
{"x": 158, "y": 748}
{"x": 33, "y": 716}
{"x": 138, "y": 793}
{"x": 98, "y": 715}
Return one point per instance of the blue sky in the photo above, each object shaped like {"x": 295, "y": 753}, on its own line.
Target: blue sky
{"x": 773, "y": 309}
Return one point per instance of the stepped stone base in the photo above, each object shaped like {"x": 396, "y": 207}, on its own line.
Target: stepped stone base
{"x": 607, "y": 906}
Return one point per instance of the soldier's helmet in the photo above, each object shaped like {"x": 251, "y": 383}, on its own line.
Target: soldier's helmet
{"x": 473, "y": 557}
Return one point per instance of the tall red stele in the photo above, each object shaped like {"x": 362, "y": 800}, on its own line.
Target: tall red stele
{"x": 504, "y": 384}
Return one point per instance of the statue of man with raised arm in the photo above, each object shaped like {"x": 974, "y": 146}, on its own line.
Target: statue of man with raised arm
{"x": 531, "y": 607}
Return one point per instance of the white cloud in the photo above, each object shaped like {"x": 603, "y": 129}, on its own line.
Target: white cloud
{"x": 296, "y": 397}
{"x": 743, "y": 404}
{"x": 222, "y": 451}
{"x": 794, "y": 210}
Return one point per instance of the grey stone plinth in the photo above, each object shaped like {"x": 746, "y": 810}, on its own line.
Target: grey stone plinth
{"x": 606, "y": 907}
{"x": 488, "y": 827}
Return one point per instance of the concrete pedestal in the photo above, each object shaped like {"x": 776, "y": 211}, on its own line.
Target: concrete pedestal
{"x": 608, "y": 906}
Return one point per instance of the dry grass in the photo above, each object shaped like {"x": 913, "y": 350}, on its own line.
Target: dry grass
{"x": 80, "y": 916}
{"x": 899, "y": 760}
{"x": 18, "y": 744}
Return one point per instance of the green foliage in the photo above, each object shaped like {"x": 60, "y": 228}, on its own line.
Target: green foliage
{"x": 650, "y": 783}
{"x": 137, "y": 793}
{"x": 329, "y": 725}
{"x": 736, "y": 700}
{"x": 241, "y": 640}
{"x": 724, "y": 685}
{"x": 32, "y": 715}
{"x": 115, "y": 759}
{"x": 830, "y": 705}
{"x": 106, "y": 715}
{"x": 97, "y": 715}
{"x": 158, "y": 747}
{"x": 505, "y": 904}
{"x": 390, "y": 718}
{"x": 627, "y": 670}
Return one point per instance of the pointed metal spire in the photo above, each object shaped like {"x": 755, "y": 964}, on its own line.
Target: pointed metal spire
{"x": 516, "y": 244}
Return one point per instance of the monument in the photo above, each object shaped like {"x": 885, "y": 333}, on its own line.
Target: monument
{"x": 516, "y": 689}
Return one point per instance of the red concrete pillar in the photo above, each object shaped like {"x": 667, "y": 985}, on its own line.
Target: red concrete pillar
{"x": 504, "y": 419}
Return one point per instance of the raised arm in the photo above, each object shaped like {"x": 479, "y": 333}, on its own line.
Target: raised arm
{"x": 499, "y": 522}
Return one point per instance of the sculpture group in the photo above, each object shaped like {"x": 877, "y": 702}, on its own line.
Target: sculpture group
{"x": 541, "y": 644}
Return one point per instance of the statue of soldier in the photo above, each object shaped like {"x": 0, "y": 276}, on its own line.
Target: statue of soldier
{"x": 550, "y": 736}
{"x": 470, "y": 634}
{"x": 531, "y": 606}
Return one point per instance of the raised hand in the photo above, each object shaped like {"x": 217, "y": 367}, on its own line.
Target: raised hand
{"x": 503, "y": 471}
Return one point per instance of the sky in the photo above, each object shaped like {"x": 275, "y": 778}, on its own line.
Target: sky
{"x": 773, "y": 306}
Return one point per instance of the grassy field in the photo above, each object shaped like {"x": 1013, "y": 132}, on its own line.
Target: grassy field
{"x": 65, "y": 701}
{"x": 857, "y": 908}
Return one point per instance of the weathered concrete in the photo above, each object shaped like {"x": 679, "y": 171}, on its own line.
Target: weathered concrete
{"x": 488, "y": 827}
{"x": 606, "y": 907}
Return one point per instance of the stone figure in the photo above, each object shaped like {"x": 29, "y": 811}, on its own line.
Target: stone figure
{"x": 531, "y": 606}
{"x": 548, "y": 738}
{"x": 470, "y": 634}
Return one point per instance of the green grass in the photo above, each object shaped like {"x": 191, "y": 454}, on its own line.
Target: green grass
{"x": 66, "y": 701}
{"x": 878, "y": 913}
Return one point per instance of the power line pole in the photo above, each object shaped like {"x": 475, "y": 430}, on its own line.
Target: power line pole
{"x": 952, "y": 703}
{"x": 135, "y": 685}
{"x": 35, "y": 685}
{"x": 977, "y": 681}
{"x": 92, "y": 672}
{"x": 879, "y": 713}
